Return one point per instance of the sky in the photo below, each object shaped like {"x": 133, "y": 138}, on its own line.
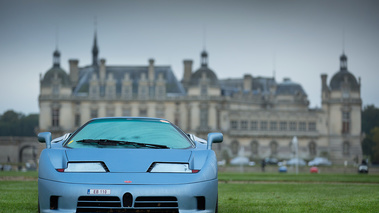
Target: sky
{"x": 296, "y": 39}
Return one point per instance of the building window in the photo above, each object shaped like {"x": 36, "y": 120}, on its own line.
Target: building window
{"x": 94, "y": 113}
{"x": 274, "y": 148}
{"x": 346, "y": 148}
{"x": 204, "y": 117}
{"x": 204, "y": 90}
{"x": 159, "y": 113}
{"x": 77, "y": 119}
{"x": 292, "y": 126}
{"x": 56, "y": 89}
{"x": 312, "y": 148}
{"x": 177, "y": 119}
{"x": 302, "y": 126}
{"x": 126, "y": 91}
{"x": 254, "y": 125}
{"x": 345, "y": 122}
{"x": 126, "y": 112}
{"x": 254, "y": 147}
{"x": 55, "y": 117}
{"x": 161, "y": 91}
{"x": 264, "y": 125}
{"x": 110, "y": 112}
{"x": 233, "y": 124}
{"x": 283, "y": 126}
{"x": 244, "y": 125}
{"x": 234, "y": 147}
{"x": 312, "y": 126}
{"x": 143, "y": 112}
{"x": 273, "y": 125}
{"x": 94, "y": 90}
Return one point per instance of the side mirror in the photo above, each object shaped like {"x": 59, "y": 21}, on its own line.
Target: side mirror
{"x": 45, "y": 137}
{"x": 214, "y": 137}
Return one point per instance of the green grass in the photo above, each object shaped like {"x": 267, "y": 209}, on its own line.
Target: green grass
{"x": 251, "y": 192}
{"x": 30, "y": 174}
{"x": 284, "y": 177}
{"x": 298, "y": 197}
{"x": 18, "y": 196}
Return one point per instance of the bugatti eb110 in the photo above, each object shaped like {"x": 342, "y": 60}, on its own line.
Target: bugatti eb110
{"x": 128, "y": 164}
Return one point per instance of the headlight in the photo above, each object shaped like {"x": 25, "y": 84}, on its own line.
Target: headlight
{"x": 171, "y": 168}
{"x": 85, "y": 167}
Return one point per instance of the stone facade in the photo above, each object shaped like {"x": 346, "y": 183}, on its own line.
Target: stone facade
{"x": 257, "y": 114}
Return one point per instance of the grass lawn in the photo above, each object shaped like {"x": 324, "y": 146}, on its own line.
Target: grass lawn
{"x": 298, "y": 197}
{"x": 251, "y": 192}
{"x": 18, "y": 196}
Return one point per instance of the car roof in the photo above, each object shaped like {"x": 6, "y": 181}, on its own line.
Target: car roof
{"x": 132, "y": 118}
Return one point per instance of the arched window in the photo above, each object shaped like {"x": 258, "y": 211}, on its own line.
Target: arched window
{"x": 274, "y": 147}
{"x": 312, "y": 148}
{"x": 235, "y": 147}
{"x": 254, "y": 145}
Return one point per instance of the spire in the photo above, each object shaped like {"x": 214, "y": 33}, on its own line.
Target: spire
{"x": 95, "y": 49}
{"x": 204, "y": 59}
{"x": 56, "y": 58}
{"x": 343, "y": 62}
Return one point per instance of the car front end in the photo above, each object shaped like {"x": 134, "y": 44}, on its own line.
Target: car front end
{"x": 77, "y": 176}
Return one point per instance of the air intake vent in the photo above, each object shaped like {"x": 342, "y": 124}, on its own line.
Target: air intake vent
{"x": 156, "y": 202}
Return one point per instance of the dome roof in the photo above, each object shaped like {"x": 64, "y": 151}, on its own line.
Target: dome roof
{"x": 197, "y": 76}
{"x": 341, "y": 77}
{"x": 204, "y": 70}
{"x": 288, "y": 87}
{"x": 55, "y": 71}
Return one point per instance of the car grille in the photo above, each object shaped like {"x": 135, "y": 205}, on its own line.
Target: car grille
{"x": 152, "y": 204}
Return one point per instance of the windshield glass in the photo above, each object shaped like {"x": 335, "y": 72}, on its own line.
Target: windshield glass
{"x": 129, "y": 133}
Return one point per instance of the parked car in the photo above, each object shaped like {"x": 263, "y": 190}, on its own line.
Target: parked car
{"x": 128, "y": 165}
{"x": 282, "y": 169}
{"x": 271, "y": 161}
{"x": 319, "y": 161}
{"x": 239, "y": 160}
{"x": 313, "y": 169}
{"x": 295, "y": 161}
{"x": 363, "y": 167}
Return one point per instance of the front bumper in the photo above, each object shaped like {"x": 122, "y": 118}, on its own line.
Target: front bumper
{"x": 190, "y": 197}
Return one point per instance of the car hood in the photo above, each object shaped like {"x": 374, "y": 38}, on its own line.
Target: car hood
{"x": 128, "y": 160}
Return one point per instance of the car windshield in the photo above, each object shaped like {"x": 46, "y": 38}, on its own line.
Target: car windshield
{"x": 129, "y": 133}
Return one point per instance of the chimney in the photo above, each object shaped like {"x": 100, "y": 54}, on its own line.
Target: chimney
{"x": 247, "y": 82}
{"x": 102, "y": 70}
{"x": 74, "y": 71}
{"x": 151, "y": 74}
{"x": 187, "y": 70}
{"x": 324, "y": 85}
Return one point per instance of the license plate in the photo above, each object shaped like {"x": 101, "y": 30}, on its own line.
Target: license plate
{"x": 99, "y": 191}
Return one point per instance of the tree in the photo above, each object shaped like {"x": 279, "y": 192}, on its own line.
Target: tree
{"x": 17, "y": 124}
{"x": 375, "y": 139}
{"x": 370, "y": 118}
{"x": 370, "y": 126}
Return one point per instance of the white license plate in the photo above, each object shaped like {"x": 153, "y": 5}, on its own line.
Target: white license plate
{"x": 99, "y": 191}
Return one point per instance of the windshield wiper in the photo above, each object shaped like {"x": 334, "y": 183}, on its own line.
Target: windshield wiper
{"x": 107, "y": 142}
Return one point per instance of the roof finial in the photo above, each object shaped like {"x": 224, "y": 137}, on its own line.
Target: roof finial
{"x": 95, "y": 49}
{"x": 56, "y": 37}
{"x": 204, "y": 37}
{"x": 274, "y": 65}
{"x": 343, "y": 42}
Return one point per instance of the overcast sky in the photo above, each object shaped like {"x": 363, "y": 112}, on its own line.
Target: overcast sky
{"x": 298, "y": 39}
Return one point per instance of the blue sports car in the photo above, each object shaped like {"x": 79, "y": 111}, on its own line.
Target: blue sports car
{"x": 128, "y": 164}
